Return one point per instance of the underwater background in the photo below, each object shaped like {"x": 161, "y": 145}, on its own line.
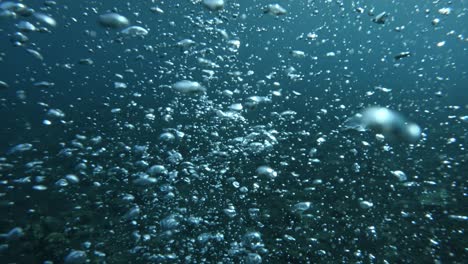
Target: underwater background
{"x": 222, "y": 131}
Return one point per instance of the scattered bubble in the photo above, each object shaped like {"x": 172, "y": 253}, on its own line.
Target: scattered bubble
{"x": 113, "y": 20}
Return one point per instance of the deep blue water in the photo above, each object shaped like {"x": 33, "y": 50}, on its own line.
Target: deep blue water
{"x": 334, "y": 196}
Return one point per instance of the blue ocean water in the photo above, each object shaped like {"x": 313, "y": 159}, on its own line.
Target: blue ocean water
{"x": 233, "y": 131}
